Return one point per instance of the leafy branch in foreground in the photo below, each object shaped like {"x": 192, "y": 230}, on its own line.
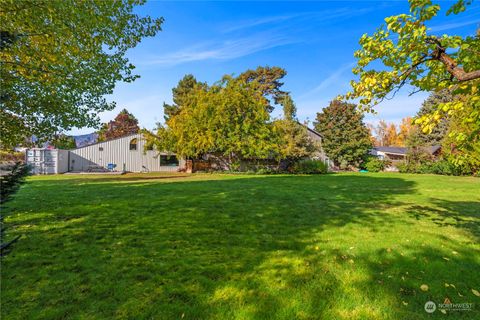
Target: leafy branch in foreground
{"x": 58, "y": 59}
{"x": 411, "y": 55}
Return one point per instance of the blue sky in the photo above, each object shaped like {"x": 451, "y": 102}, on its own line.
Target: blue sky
{"x": 314, "y": 41}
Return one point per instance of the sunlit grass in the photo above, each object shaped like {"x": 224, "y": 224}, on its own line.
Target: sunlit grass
{"x": 154, "y": 246}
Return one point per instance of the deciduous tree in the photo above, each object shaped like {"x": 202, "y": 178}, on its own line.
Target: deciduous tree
{"x": 391, "y": 138}
{"x": 406, "y": 129}
{"x": 62, "y": 141}
{"x": 381, "y": 132}
{"x": 438, "y": 133}
{"x": 58, "y": 59}
{"x": 228, "y": 120}
{"x": 124, "y": 124}
{"x": 411, "y": 54}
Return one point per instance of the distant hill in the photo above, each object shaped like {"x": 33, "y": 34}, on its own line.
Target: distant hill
{"x": 85, "y": 139}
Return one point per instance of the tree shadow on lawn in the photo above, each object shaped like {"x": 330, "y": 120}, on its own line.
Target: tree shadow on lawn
{"x": 459, "y": 214}
{"x": 275, "y": 247}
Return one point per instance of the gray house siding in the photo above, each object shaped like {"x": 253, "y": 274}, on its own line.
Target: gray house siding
{"x": 118, "y": 152}
{"x": 317, "y": 138}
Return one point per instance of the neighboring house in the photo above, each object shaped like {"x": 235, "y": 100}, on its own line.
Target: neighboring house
{"x": 389, "y": 153}
{"x": 317, "y": 138}
{"x": 399, "y": 154}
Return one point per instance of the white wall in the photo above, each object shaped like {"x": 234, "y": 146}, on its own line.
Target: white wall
{"x": 118, "y": 151}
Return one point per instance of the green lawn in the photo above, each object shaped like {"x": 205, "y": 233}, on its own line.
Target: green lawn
{"x": 338, "y": 246}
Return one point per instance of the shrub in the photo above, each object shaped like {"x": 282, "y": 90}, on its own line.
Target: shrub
{"x": 309, "y": 167}
{"x": 402, "y": 167}
{"x": 266, "y": 170}
{"x": 11, "y": 156}
{"x": 443, "y": 167}
{"x": 373, "y": 164}
{"x": 11, "y": 178}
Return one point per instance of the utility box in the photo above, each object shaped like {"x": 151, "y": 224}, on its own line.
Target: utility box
{"x": 47, "y": 161}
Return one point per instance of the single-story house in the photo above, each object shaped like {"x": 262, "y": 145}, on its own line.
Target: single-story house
{"x": 400, "y": 153}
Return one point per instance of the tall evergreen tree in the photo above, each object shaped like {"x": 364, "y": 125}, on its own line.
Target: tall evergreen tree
{"x": 289, "y": 108}
{"x": 438, "y": 132}
{"x": 181, "y": 95}
{"x": 268, "y": 82}
{"x": 346, "y": 139}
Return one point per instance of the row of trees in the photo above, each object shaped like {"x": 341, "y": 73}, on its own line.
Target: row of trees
{"x": 388, "y": 134}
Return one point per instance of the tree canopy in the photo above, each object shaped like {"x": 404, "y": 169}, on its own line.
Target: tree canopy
{"x": 438, "y": 133}
{"x": 62, "y": 141}
{"x": 124, "y": 124}
{"x": 180, "y": 95}
{"x": 58, "y": 59}
{"x": 409, "y": 54}
{"x": 231, "y": 120}
{"x": 227, "y": 119}
{"x": 346, "y": 139}
{"x": 268, "y": 82}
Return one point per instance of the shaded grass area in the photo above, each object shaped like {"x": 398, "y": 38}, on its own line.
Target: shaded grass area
{"x": 345, "y": 246}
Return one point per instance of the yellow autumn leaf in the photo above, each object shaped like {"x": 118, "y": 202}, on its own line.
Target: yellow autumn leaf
{"x": 443, "y": 311}
{"x": 424, "y": 287}
{"x": 475, "y": 292}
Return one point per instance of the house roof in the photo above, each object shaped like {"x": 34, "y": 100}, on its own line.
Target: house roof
{"x": 310, "y": 129}
{"x": 433, "y": 149}
{"x": 396, "y": 150}
{"x": 403, "y": 150}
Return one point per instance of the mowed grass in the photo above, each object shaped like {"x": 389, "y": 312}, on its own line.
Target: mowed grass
{"x": 339, "y": 246}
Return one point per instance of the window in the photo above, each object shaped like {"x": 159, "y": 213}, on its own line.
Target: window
{"x": 133, "y": 145}
{"x": 170, "y": 161}
{"x": 100, "y": 148}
